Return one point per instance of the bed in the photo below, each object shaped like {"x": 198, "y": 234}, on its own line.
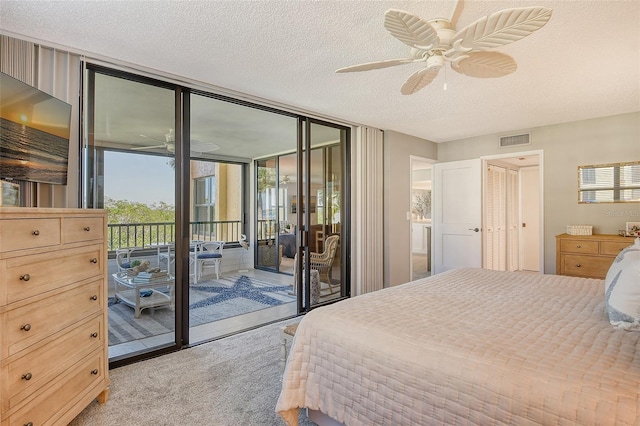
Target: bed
{"x": 468, "y": 346}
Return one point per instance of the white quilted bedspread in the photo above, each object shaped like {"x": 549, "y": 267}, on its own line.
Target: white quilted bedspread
{"x": 468, "y": 346}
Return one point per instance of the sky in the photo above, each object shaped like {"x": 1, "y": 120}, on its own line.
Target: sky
{"x": 140, "y": 178}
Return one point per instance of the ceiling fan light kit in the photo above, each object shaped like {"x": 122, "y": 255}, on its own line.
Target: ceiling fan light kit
{"x": 436, "y": 42}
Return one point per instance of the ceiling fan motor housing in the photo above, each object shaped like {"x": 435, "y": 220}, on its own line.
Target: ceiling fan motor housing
{"x": 435, "y": 62}
{"x": 445, "y": 33}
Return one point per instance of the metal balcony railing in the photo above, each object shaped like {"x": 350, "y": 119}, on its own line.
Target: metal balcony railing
{"x": 145, "y": 235}
{"x": 157, "y": 233}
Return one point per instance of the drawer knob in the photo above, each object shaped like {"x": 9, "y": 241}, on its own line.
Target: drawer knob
{"x": 25, "y": 277}
{"x": 27, "y": 376}
{"x": 579, "y": 246}
{"x": 94, "y": 372}
{"x": 578, "y": 265}
{"x": 94, "y": 297}
{"x": 94, "y": 260}
{"x": 87, "y": 228}
{"x": 28, "y": 424}
{"x": 94, "y": 334}
{"x": 36, "y": 233}
{"x": 26, "y": 327}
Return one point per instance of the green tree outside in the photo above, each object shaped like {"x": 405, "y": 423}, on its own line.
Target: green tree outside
{"x": 147, "y": 224}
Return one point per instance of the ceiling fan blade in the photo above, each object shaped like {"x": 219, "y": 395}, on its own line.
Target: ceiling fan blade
{"x": 376, "y": 65}
{"x": 503, "y": 27}
{"x": 457, "y": 11}
{"x": 148, "y": 147}
{"x": 411, "y": 29}
{"x": 418, "y": 80}
{"x": 485, "y": 65}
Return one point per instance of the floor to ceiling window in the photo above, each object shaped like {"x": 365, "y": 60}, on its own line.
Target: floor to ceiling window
{"x": 208, "y": 201}
{"x": 130, "y": 172}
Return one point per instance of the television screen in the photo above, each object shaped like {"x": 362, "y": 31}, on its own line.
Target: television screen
{"x": 34, "y": 133}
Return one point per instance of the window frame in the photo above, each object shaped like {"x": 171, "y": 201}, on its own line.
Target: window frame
{"x": 588, "y": 188}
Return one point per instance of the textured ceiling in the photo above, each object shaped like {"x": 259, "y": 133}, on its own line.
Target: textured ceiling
{"x": 584, "y": 63}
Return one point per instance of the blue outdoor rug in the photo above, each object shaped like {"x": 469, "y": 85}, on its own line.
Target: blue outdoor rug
{"x": 210, "y": 300}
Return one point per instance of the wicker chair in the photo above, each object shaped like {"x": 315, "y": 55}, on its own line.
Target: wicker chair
{"x": 322, "y": 262}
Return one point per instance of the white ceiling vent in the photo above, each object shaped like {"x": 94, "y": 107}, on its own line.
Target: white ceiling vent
{"x": 515, "y": 140}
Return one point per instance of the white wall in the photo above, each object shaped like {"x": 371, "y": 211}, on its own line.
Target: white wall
{"x": 566, "y": 146}
{"x": 398, "y": 149}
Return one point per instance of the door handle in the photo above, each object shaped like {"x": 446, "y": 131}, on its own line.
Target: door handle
{"x": 474, "y": 229}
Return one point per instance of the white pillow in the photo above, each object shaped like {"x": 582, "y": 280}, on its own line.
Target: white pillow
{"x": 622, "y": 289}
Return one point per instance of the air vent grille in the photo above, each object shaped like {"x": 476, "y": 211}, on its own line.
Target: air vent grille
{"x": 514, "y": 140}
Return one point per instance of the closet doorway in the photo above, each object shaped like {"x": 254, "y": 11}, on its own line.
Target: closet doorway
{"x": 512, "y": 212}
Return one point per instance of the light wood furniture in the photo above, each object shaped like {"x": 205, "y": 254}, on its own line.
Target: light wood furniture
{"x": 287, "y": 337}
{"x": 588, "y": 256}
{"x": 53, "y": 314}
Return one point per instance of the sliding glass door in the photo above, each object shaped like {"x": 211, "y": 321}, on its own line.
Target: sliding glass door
{"x": 130, "y": 172}
{"x": 324, "y": 273}
{"x": 219, "y": 211}
{"x": 234, "y": 267}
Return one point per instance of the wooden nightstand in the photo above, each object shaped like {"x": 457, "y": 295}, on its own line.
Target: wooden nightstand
{"x": 588, "y": 256}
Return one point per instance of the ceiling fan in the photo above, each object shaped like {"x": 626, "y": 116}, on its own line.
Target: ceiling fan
{"x": 436, "y": 42}
{"x": 170, "y": 144}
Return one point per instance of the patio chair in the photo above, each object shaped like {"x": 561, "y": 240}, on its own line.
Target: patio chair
{"x": 123, "y": 258}
{"x": 323, "y": 262}
{"x": 207, "y": 255}
{"x": 166, "y": 253}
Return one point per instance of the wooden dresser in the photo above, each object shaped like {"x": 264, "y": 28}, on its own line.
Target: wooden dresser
{"x": 53, "y": 314}
{"x": 588, "y": 256}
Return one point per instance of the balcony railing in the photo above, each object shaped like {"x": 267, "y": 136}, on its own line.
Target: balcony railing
{"x": 120, "y": 235}
{"x": 149, "y": 234}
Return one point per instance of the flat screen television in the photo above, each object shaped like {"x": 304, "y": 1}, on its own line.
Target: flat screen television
{"x": 34, "y": 133}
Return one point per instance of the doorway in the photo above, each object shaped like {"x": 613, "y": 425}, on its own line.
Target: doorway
{"x": 460, "y": 209}
{"x": 420, "y": 208}
{"x": 512, "y": 215}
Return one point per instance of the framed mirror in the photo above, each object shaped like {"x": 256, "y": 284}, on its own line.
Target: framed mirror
{"x": 609, "y": 183}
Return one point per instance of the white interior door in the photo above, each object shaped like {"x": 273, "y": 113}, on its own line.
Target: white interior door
{"x": 530, "y": 200}
{"x": 457, "y": 235}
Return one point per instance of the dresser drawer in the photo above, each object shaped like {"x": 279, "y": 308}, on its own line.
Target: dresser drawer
{"x": 586, "y": 266}
{"x": 77, "y": 229}
{"x": 613, "y": 247}
{"x": 31, "y": 323}
{"x": 20, "y": 234}
{"x": 32, "y": 371}
{"x": 61, "y": 392}
{"x": 579, "y": 246}
{"x": 28, "y": 276}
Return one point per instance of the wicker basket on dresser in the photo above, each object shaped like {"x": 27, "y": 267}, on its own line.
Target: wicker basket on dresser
{"x": 588, "y": 256}
{"x": 53, "y": 314}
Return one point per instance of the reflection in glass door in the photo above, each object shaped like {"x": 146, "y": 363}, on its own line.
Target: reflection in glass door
{"x": 267, "y": 203}
{"x": 324, "y": 188}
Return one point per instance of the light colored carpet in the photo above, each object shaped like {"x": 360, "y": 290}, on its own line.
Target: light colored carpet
{"x": 229, "y": 382}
